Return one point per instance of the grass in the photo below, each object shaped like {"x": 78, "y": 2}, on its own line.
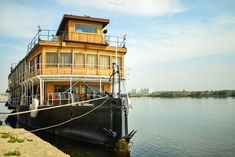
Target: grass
{"x": 5, "y": 135}
{"x": 13, "y": 138}
{"x": 13, "y": 153}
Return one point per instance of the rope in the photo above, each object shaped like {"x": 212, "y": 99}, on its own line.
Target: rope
{"x": 49, "y": 108}
{"x": 59, "y": 124}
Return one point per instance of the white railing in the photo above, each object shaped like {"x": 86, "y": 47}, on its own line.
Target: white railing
{"x": 42, "y": 34}
{"x": 60, "y": 98}
{"x": 50, "y": 35}
{"x": 65, "y": 69}
{"x": 22, "y": 100}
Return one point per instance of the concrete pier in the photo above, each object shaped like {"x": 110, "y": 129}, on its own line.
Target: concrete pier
{"x": 19, "y": 142}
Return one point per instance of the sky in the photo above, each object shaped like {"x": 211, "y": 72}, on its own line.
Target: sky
{"x": 172, "y": 44}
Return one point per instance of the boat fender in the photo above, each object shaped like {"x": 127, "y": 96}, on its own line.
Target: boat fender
{"x": 127, "y": 102}
{"x": 34, "y": 106}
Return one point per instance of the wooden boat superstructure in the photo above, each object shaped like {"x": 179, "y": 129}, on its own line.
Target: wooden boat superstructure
{"x": 73, "y": 64}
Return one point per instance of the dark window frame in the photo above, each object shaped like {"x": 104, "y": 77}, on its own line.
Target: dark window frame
{"x": 86, "y": 28}
{"x": 51, "y": 64}
{"x": 65, "y": 64}
{"x": 93, "y": 65}
{"x": 84, "y": 59}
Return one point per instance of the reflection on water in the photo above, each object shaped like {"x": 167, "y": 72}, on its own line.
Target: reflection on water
{"x": 171, "y": 127}
{"x": 78, "y": 149}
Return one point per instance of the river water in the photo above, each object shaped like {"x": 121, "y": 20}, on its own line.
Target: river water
{"x": 179, "y": 127}
{"x": 183, "y": 127}
{"x": 3, "y": 110}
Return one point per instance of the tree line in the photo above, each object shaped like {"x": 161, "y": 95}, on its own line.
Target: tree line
{"x": 193, "y": 94}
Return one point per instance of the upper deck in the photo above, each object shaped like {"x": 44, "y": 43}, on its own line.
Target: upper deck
{"x": 80, "y": 47}
{"x": 50, "y": 37}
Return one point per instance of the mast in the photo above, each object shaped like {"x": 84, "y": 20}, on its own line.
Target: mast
{"x": 116, "y": 3}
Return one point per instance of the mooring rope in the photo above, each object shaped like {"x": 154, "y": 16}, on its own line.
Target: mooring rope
{"x": 67, "y": 121}
{"x": 49, "y": 108}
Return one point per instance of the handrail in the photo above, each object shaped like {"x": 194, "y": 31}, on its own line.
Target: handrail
{"x": 58, "y": 97}
{"x": 50, "y": 35}
{"x": 42, "y": 34}
{"x": 65, "y": 69}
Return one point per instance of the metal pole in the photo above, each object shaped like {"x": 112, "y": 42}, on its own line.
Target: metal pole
{"x": 43, "y": 90}
{"x": 119, "y": 81}
{"x": 32, "y": 90}
{"x": 100, "y": 86}
{"x": 70, "y": 88}
{"x": 115, "y": 83}
{"x": 40, "y": 84}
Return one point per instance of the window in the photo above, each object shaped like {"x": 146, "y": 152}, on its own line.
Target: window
{"x": 91, "y": 89}
{"x": 65, "y": 59}
{"x": 91, "y": 61}
{"x": 104, "y": 62}
{"x": 52, "y": 59}
{"x": 39, "y": 61}
{"x": 79, "y": 60}
{"x": 119, "y": 61}
{"x": 64, "y": 88}
{"x": 85, "y": 28}
{"x": 32, "y": 66}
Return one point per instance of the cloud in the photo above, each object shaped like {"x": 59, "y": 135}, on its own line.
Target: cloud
{"x": 134, "y": 7}
{"x": 21, "y": 21}
{"x": 179, "y": 41}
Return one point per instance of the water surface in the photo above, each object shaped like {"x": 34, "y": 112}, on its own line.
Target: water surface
{"x": 3, "y": 110}
{"x": 183, "y": 127}
{"x": 171, "y": 127}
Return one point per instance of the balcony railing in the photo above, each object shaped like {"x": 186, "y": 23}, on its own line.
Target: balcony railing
{"x": 64, "y": 69}
{"x": 42, "y": 34}
{"x": 49, "y": 35}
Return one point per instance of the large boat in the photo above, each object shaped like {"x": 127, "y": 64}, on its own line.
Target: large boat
{"x": 77, "y": 76}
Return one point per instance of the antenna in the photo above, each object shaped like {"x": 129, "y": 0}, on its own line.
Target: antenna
{"x": 116, "y": 3}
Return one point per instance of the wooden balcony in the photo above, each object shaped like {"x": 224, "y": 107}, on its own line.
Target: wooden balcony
{"x": 65, "y": 70}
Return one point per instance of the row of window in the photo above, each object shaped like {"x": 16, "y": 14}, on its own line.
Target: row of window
{"x": 79, "y": 60}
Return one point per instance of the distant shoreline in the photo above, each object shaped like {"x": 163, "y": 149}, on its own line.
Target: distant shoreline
{"x": 191, "y": 94}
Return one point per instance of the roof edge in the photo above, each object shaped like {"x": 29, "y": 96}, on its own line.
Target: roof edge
{"x": 67, "y": 17}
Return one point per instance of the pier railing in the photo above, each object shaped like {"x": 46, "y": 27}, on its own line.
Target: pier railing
{"x": 50, "y": 35}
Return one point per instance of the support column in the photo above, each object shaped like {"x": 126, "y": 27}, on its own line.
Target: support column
{"x": 26, "y": 95}
{"x": 100, "y": 86}
{"x": 32, "y": 90}
{"x": 41, "y": 90}
{"x": 70, "y": 85}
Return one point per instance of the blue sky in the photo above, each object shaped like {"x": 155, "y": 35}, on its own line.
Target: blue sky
{"x": 172, "y": 44}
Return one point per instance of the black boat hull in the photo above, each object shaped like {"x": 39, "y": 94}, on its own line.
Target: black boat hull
{"x": 103, "y": 126}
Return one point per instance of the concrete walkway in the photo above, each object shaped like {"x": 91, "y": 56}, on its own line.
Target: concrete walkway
{"x": 25, "y": 144}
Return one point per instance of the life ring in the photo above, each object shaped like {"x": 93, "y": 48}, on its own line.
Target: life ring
{"x": 34, "y": 106}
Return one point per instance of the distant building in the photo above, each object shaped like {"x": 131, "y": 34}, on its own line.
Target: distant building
{"x": 135, "y": 91}
{"x": 146, "y": 91}
{"x": 142, "y": 91}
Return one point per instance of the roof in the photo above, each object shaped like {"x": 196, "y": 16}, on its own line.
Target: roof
{"x": 67, "y": 17}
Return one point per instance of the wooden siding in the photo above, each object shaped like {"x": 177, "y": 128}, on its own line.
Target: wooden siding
{"x": 21, "y": 72}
